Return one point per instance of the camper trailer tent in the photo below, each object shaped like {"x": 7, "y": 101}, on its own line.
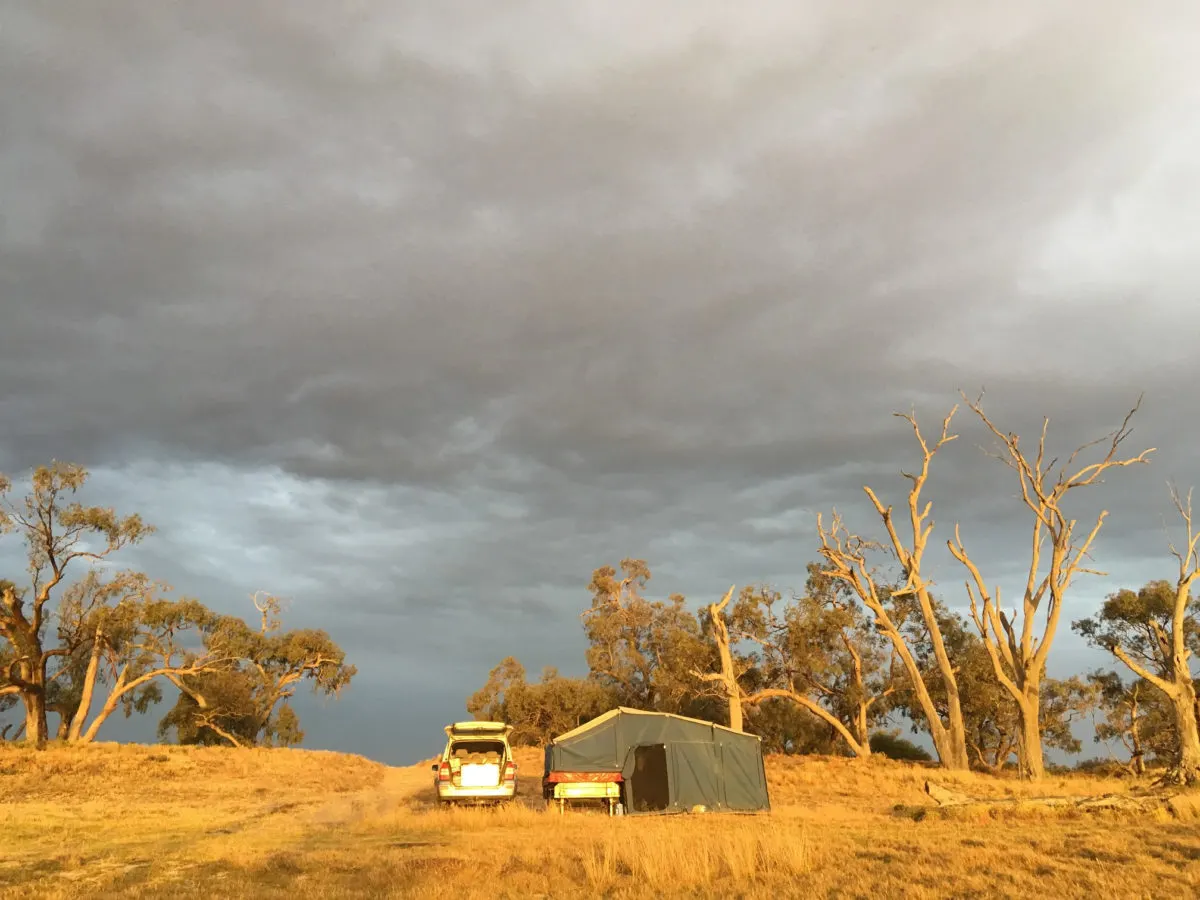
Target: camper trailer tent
{"x": 662, "y": 763}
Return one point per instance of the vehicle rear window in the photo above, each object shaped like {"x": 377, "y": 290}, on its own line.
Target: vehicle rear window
{"x": 477, "y": 751}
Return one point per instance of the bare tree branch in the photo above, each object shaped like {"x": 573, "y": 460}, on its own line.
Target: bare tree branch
{"x": 1019, "y": 661}
{"x": 814, "y": 708}
{"x": 846, "y": 558}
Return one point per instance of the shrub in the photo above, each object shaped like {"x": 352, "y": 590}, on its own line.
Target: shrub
{"x": 895, "y": 747}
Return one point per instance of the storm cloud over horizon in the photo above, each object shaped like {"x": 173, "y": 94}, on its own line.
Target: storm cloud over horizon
{"x": 417, "y": 313}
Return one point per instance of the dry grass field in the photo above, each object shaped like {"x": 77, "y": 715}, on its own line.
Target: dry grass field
{"x": 173, "y": 822}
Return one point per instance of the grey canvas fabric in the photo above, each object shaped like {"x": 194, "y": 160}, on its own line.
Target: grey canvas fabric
{"x": 707, "y": 765}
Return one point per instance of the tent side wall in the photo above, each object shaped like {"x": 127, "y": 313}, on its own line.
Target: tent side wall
{"x": 725, "y": 773}
{"x": 744, "y": 774}
{"x": 709, "y": 766}
{"x": 595, "y": 750}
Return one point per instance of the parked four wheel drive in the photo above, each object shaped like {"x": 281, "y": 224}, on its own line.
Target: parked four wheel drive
{"x": 477, "y": 764}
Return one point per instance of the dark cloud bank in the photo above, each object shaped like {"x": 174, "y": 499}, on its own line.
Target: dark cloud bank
{"x": 418, "y": 313}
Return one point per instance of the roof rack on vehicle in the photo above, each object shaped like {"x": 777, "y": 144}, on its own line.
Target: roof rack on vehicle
{"x": 478, "y": 728}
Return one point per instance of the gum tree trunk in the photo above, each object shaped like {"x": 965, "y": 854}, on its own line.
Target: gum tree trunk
{"x": 37, "y": 731}
{"x": 1184, "y": 703}
{"x": 1029, "y": 747}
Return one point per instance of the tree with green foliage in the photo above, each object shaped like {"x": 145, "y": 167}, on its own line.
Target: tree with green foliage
{"x": 116, "y": 638}
{"x": 141, "y": 643}
{"x": 1137, "y": 716}
{"x": 538, "y": 712}
{"x": 1063, "y": 702}
{"x": 247, "y": 702}
{"x": 644, "y": 651}
{"x": 820, "y": 652}
{"x": 60, "y": 535}
{"x": 786, "y": 727}
{"x": 1154, "y": 632}
{"x": 989, "y": 717}
{"x": 88, "y": 618}
{"x": 9, "y": 698}
{"x": 891, "y": 745}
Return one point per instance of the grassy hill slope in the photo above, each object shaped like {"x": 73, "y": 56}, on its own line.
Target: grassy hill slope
{"x": 170, "y": 822}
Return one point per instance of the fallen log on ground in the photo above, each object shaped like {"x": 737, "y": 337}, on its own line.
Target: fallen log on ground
{"x": 1177, "y": 804}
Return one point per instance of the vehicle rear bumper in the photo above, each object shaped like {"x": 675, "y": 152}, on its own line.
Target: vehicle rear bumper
{"x": 599, "y": 790}
{"x": 469, "y": 794}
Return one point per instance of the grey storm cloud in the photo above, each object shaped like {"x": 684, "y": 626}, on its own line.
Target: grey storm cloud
{"x": 419, "y": 312}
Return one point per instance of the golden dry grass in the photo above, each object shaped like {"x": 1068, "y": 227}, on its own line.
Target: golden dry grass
{"x": 166, "y": 822}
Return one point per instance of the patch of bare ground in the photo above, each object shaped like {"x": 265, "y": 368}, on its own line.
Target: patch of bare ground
{"x": 155, "y": 822}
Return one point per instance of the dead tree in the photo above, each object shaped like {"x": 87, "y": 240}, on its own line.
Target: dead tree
{"x": 1177, "y": 805}
{"x": 1018, "y": 657}
{"x": 846, "y": 555}
{"x": 727, "y": 678}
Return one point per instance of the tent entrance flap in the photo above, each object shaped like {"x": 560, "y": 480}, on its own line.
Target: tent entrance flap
{"x": 650, "y": 782}
{"x": 696, "y": 773}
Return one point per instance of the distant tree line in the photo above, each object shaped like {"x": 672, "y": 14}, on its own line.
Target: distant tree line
{"x": 80, "y": 641}
{"x": 866, "y": 643}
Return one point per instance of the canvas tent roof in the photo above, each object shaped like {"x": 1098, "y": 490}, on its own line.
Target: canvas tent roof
{"x": 669, "y": 763}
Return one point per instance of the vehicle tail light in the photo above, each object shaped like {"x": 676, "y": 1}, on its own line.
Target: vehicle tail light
{"x": 510, "y": 771}
{"x": 444, "y": 772}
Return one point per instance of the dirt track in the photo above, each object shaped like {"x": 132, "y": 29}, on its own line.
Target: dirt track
{"x": 409, "y": 787}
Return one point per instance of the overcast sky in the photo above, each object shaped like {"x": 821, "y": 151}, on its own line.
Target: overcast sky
{"x": 416, "y": 313}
